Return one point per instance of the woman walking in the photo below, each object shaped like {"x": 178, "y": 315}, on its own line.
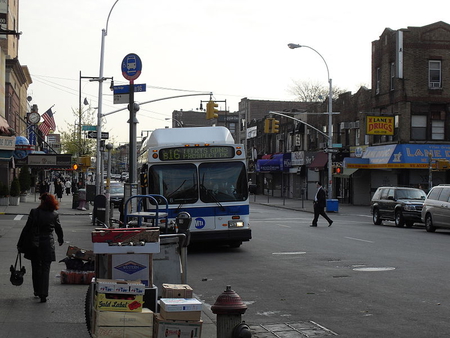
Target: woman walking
{"x": 42, "y": 222}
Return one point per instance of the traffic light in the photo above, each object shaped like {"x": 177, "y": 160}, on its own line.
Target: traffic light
{"x": 338, "y": 170}
{"x": 211, "y": 111}
{"x": 275, "y": 126}
{"x": 267, "y": 125}
{"x": 75, "y": 166}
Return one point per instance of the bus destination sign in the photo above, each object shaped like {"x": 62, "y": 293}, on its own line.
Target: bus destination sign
{"x": 196, "y": 153}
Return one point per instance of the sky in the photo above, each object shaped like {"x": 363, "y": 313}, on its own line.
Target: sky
{"x": 231, "y": 48}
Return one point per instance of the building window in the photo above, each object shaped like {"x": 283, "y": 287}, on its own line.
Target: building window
{"x": 377, "y": 86}
{"x": 437, "y": 125}
{"x": 437, "y": 130}
{"x": 392, "y": 75}
{"x": 434, "y": 74}
{"x": 418, "y": 127}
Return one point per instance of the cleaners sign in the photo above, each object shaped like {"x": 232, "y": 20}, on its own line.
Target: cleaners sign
{"x": 380, "y": 125}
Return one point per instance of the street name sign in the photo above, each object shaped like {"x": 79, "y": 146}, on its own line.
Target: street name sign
{"x": 86, "y": 127}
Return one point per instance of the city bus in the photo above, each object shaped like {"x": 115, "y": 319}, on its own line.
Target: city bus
{"x": 203, "y": 172}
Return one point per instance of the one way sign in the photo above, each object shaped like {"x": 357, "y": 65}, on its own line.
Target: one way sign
{"x": 93, "y": 134}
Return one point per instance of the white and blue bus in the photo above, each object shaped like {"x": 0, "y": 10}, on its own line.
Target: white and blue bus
{"x": 203, "y": 172}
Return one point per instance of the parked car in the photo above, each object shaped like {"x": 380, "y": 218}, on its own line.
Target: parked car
{"x": 398, "y": 204}
{"x": 116, "y": 193}
{"x": 436, "y": 208}
{"x": 124, "y": 176}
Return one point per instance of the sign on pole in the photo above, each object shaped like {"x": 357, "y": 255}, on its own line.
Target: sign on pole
{"x": 131, "y": 67}
{"x": 93, "y": 134}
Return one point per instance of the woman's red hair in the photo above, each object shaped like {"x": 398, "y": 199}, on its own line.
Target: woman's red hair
{"x": 48, "y": 202}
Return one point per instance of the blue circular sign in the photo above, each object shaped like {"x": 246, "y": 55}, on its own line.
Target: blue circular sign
{"x": 131, "y": 67}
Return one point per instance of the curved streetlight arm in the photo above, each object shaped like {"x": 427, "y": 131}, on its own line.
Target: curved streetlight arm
{"x": 107, "y": 20}
{"x": 298, "y": 120}
{"x": 294, "y": 46}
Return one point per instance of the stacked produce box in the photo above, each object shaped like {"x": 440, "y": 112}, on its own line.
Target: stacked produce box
{"x": 179, "y": 313}
{"x": 119, "y": 310}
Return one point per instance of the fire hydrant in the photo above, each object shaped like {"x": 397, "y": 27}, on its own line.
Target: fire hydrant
{"x": 229, "y": 308}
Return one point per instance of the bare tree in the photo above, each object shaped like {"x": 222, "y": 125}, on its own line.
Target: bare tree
{"x": 313, "y": 92}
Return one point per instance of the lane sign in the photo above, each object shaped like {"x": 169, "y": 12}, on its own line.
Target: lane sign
{"x": 131, "y": 67}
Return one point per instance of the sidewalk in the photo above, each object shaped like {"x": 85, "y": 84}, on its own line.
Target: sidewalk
{"x": 209, "y": 319}
{"x": 305, "y": 205}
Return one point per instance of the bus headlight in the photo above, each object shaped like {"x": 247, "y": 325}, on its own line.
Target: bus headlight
{"x": 235, "y": 224}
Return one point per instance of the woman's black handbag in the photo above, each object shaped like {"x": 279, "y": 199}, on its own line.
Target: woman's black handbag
{"x": 29, "y": 238}
{"x": 17, "y": 275}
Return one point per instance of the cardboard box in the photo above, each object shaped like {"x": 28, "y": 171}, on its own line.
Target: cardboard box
{"x": 127, "y": 319}
{"x": 176, "y": 291}
{"x": 76, "y": 252}
{"x": 126, "y": 235}
{"x": 76, "y": 277}
{"x": 107, "y": 248}
{"x": 120, "y": 286}
{"x": 124, "y": 332}
{"x": 131, "y": 267}
{"x": 118, "y": 302}
{"x": 165, "y": 328}
{"x": 180, "y": 304}
{"x": 180, "y": 315}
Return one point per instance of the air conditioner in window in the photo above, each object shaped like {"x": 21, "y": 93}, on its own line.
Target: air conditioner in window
{"x": 435, "y": 85}
{"x": 345, "y": 125}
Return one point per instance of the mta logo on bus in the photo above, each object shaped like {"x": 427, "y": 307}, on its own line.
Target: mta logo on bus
{"x": 199, "y": 223}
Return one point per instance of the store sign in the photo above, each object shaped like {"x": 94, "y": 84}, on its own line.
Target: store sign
{"x": 7, "y": 142}
{"x": 380, "y": 125}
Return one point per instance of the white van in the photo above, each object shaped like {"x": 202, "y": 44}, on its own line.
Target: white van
{"x": 436, "y": 208}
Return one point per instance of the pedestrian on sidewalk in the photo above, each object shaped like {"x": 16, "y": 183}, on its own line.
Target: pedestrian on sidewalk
{"x": 59, "y": 189}
{"x": 320, "y": 202}
{"x": 68, "y": 185}
{"x": 42, "y": 221}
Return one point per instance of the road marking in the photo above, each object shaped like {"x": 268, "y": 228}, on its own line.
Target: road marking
{"x": 283, "y": 226}
{"x": 18, "y": 217}
{"x": 289, "y": 253}
{"x": 358, "y": 239}
{"x": 374, "y": 269}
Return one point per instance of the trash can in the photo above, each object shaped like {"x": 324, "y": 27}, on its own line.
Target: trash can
{"x": 75, "y": 200}
{"x": 332, "y": 205}
{"x": 99, "y": 213}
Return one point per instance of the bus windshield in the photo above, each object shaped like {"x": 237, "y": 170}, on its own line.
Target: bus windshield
{"x": 219, "y": 182}
{"x": 176, "y": 182}
{"x": 223, "y": 182}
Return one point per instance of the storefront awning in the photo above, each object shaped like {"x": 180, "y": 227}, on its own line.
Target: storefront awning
{"x": 5, "y": 155}
{"x": 319, "y": 162}
{"x": 346, "y": 173}
{"x": 399, "y": 156}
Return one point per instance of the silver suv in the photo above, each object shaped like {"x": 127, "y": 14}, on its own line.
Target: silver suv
{"x": 398, "y": 204}
{"x": 436, "y": 209}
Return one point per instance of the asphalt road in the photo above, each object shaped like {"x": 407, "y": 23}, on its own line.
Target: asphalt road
{"x": 354, "y": 278}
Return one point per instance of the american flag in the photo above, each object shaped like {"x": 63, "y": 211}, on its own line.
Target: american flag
{"x": 48, "y": 124}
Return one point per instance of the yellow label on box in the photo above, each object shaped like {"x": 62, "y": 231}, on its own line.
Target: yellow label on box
{"x": 117, "y": 302}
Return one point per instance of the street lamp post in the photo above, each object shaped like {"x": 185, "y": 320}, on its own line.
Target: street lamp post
{"x": 330, "y": 119}
{"x": 99, "y": 166}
